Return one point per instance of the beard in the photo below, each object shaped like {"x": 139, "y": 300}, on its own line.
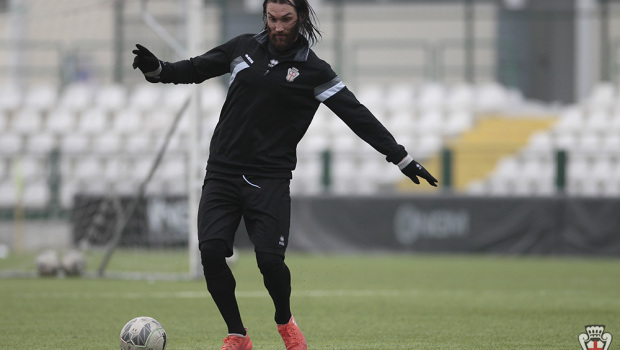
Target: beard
{"x": 282, "y": 42}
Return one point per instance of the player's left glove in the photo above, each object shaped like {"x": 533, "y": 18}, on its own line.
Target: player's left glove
{"x": 147, "y": 62}
{"x": 413, "y": 169}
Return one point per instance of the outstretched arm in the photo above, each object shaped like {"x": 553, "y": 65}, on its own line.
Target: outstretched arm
{"x": 368, "y": 128}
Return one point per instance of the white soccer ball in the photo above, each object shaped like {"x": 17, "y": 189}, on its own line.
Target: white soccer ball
{"x": 143, "y": 333}
{"x": 73, "y": 263}
{"x": 48, "y": 263}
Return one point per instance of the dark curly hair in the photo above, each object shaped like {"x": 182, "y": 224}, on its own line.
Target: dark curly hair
{"x": 307, "y": 18}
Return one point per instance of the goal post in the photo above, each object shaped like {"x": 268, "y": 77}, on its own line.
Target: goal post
{"x": 125, "y": 216}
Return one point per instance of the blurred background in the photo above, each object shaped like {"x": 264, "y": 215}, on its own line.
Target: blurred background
{"x": 513, "y": 104}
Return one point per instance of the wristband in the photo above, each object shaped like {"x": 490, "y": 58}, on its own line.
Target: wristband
{"x": 403, "y": 163}
{"x": 154, "y": 73}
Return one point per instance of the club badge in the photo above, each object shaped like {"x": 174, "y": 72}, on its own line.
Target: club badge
{"x": 594, "y": 338}
{"x": 292, "y": 74}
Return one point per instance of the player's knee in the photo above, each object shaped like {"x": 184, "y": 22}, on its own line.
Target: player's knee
{"x": 213, "y": 253}
{"x": 268, "y": 262}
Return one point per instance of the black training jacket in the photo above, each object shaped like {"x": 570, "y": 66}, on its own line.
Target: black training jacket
{"x": 270, "y": 104}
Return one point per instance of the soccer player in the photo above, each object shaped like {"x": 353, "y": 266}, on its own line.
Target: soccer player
{"x": 276, "y": 85}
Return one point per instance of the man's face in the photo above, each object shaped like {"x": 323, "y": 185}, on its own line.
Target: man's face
{"x": 282, "y": 25}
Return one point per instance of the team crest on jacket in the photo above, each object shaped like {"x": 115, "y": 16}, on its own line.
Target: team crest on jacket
{"x": 292, "y": 74}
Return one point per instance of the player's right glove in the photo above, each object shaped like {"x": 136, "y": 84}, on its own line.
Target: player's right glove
{"x": 413, "y": 169}
{"x": 146, "y": 62}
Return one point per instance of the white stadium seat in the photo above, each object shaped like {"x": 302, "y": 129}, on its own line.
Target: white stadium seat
{"x": 77, "y": 97}
{"x": 41, "y": 97}
{"x": 111, "y": 97}
{"x": 27, "y": 121}
{"x": 41, "y": 143}
{"x": 93, "y": 121}
{"x": 61, "y": 121}
{"x": 10, "y": 98}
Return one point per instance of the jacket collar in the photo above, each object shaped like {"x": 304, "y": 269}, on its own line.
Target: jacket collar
{"x": 301, "y": 54}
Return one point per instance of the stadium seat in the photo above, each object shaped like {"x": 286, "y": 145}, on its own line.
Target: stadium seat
{"x": 570, "y": 121}
{"x": 68, "y": 190}
{"x": 41, "y": 97}
{"x": 344, "y": 170}
{"x": 578, "y": 175}
{"x": 589, "y": 143}
{"x": 107, "y": 142}
{"x": 460, "y": 98}
{"x": 115, "y": 169}
{"x": 10, "y": 195}
{"x": 87, "y": 168}
{"x": 127, "y": 121}
{"x": 111, "y": 97}
{"x": 146, "y": 96}
{"x": 29, "y": 168}
{"x": 212, "y": 96}
{"x": 610, "y": 142}
{"x": 399, "y": 97}
{"x": 431, "y": 96}
{"x": 74, "y": 144}
{"x": 430, "y": 122}
{"x": 313, "y": 144}
{"x": 77, "y": 97}
{"x": 10, "y": 98}
{"x": 373, "y": 97}
{"x": 4, "y": 170}
{"x": 41, "y": 144}
{"x": 36, "y": 194}
{"x": 61, "y": 121}
{"x": 139, "y": 143}
{"x": 11, "y": 143}
{"x": 27, "y": 121}
{"x": 565, "y": 141}
{"x": 536, "y": 170}
{"x": 402, "y": 123}
{"x": 603, "y": 170}
{"x": 174, "y": 97}
{"x": 307, "y": 175}
{"x": 602, "y": 97}
{"x": 158, "y": 121}
{"x": 93, "y": 121}
{"x": 596, "y": 122}
{"x": 173, "y": 168}
{"x": 346, "y": 144}
{"x": 490, "y": 97}
{"x": 540, "y": 142}
{"x": 457, "y": 122}
{"x": 4, "y": 121}
{"x": 614, "y": 121}
{"x": 428, "y": 145}
{"x": 507, "y": 168}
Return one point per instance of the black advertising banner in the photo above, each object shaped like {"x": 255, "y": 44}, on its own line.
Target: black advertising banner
{"x": 447, "y": 224}
{"x": 455, "y": 224}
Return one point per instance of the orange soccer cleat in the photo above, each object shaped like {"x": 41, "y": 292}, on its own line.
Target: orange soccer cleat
{"x": 291, "y": 334}
{"x": 237, "y": 342}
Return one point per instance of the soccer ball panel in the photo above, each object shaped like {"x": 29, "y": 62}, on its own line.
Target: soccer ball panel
{"x": 143, "y": 333}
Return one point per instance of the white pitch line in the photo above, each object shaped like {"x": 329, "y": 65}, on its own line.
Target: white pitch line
{"x": 205, "y": 294}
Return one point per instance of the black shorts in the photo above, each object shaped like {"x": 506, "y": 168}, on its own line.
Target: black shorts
{"x": 264, "y": 204}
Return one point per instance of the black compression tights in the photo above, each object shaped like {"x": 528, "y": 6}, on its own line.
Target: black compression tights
{"x": 221, "y": 284}
{"x": 277, "y": 279}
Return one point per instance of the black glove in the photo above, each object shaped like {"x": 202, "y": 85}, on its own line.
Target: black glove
{"x": 146, "y": 62}
{"x": 413, "y": 169}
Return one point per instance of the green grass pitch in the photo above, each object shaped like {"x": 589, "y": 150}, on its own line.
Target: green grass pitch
{"x": 357, "y": 301}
